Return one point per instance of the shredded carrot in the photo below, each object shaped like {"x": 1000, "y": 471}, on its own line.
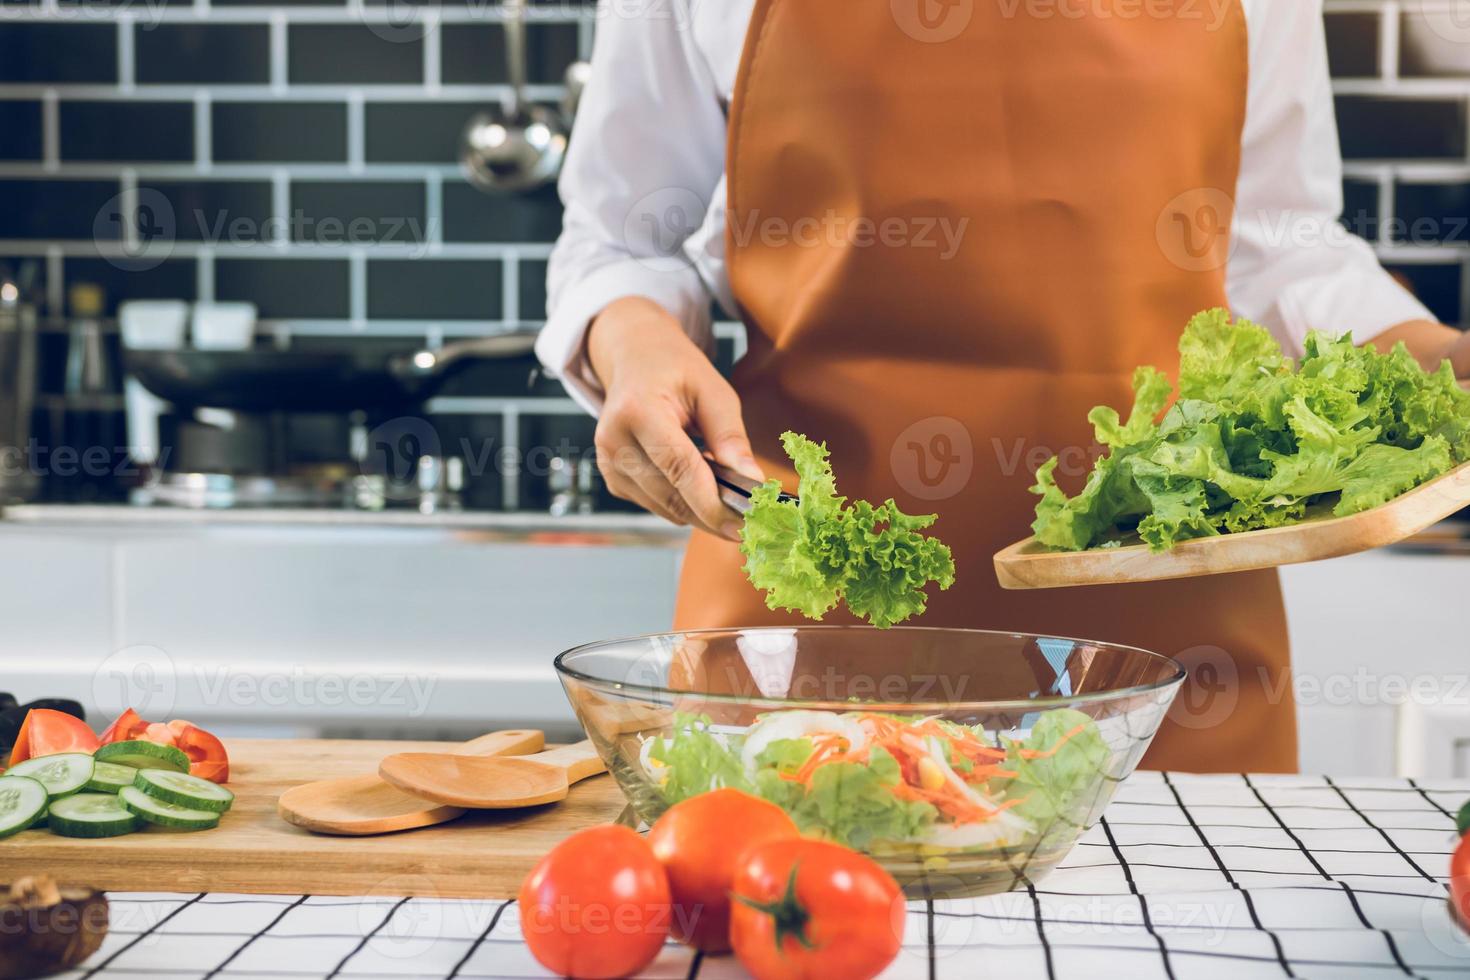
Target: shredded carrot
{"x": 1048, "y": 753}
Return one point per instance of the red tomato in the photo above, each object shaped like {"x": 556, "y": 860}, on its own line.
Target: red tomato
{"x": 597, "y": 906}
{"x": 46, "y": 732}
{"x": 1460, "y": 881}
{"x": 127, "y": 726}
{"x": 207, "y": 758}
{"x": 700, "y": 842}
{"x": 807, "y": 909}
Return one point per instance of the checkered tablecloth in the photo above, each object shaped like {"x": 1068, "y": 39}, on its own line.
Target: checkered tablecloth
{"x": 1186, "y": 876}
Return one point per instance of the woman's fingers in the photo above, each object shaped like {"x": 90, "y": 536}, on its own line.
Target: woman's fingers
{"x": 619, "y": 460}
{"x": 632, "y": 473}
{"x": 679, "y": 476}
{"x": 717, "y": 413}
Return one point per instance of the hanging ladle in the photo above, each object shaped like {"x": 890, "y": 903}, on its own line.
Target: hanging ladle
{"x": 518, "y": 146}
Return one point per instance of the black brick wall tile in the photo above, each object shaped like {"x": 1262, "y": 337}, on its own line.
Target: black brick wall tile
{"x": 1352, "y": 44}
{"x": 476, "y": 439}
{"x": 533, "y": 289}
{"x": 286, "y": 288}
{"x": 414, "y": 132}
{"x": 288, "y": 132}
{"x": 334, "y": 213}
{"x": 203, "y": 53}
{"x": 545, "y": 436}
{"x": 470, "y": 215}
{"x": 474, "y": 54}
{"x": 61, "y": 209}
{"x": 1360, "y": 208}
{"x": 1411, "y": 129}
{"x": 40, "y": 52}
{"x": 172, "y": 279}
{"x": 1426, "y": 50}
{"x": 352, "y": 54}
{"x": 213, "y": 210}
{"x": 1437, "y": 286}
{"x": 511, "y": 377}
{"x": 127, "y": 131}
{"x": 1432, "y": 214}
{"x": 20, "y": 130}
{"x": 435, "y": 289}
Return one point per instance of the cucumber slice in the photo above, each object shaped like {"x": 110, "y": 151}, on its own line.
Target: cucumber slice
{"x": 162, "y": 814}
{"x": 184, "y": 790}
{"x": 22, "y": 803}
{"x": 61, "y": 774}
{"x": 108, "y": 777}
{"x": 143, "y": 755}
{"x": 91, "y": 815}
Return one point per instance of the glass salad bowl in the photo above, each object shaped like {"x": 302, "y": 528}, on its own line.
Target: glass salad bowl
{"x": 966, "y": 762}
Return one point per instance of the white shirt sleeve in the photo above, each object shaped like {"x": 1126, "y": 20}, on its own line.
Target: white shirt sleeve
{"x": 645, "y": 159}
{"x": 1294, "y": 268}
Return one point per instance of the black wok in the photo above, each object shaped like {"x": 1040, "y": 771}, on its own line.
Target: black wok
{"x": 310, "y": 381}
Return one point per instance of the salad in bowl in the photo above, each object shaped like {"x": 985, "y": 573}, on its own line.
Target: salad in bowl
{"x": 882, "y": 740}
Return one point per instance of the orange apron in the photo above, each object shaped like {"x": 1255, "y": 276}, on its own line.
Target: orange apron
{"x": 953, "y": 230}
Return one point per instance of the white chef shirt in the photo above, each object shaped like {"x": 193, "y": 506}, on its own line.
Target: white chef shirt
{"x": 647, "y": 163}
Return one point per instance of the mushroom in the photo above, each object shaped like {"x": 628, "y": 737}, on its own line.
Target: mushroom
{"x": 46, "y": 929}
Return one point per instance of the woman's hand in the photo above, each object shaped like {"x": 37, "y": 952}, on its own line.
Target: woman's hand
{"x": 1431, "y": 343}
{"x": 660, "y": 387}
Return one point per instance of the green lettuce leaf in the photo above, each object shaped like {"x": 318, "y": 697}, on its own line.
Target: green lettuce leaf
{"x": 697, "y": 760}
{"x": 808, "y": 555}
{"x": 785, "y": 754}
{"x": 1151, "y": 390}
{"x": 1254, "y": 441}
{"x": 853, "y": 803}
{"x": 1057, "y": 789}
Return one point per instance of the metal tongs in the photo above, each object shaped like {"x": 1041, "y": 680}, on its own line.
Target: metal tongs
{"x": 735, "y": 489}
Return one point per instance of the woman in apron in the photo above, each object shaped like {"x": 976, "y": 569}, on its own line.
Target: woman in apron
{"x": 952, "y": 227}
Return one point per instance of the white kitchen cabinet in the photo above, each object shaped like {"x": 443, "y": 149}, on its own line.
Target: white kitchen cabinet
{"x": 386, "y": 630}
{"x": 1378, "y": 639}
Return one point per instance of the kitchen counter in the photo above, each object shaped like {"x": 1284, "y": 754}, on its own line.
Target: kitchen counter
{"x": 1186, "y": 877}
{"x": 610, "y": 527}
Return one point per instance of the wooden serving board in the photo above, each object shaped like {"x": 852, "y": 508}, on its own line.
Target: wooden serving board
{"x": 483, "y": 854}
{"x": 1030, "y": 565}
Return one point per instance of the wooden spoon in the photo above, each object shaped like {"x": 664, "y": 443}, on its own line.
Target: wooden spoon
{"x": 356, "y": 806}
{"x": 492, "y": 784}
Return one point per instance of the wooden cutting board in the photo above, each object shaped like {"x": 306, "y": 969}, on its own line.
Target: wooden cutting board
{"x": 483, "y": 854}
{"x": 1030, "y": 565}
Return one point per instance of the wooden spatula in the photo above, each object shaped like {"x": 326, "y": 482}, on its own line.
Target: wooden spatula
{"x": 356, "y": 806}
{"x": 492, "y": 784}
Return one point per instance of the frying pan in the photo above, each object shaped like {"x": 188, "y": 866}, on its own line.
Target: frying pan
{"x": 311, "y": 381}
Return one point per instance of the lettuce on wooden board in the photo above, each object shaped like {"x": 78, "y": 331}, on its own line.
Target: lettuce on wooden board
{"x": 810, "y": 554}
{"x": 1254, "y": 440}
